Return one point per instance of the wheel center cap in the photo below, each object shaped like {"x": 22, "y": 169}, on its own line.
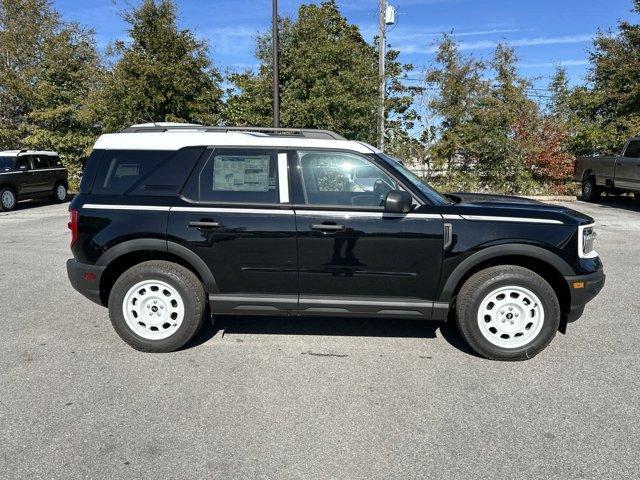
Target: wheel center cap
{"x": 509, "y": 316}
{"x": 154, "y": 309}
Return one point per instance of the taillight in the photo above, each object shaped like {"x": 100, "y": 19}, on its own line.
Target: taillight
{"x": 73, "y": 225}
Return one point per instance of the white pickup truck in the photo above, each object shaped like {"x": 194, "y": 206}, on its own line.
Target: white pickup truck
{"x": 614, "y": 175}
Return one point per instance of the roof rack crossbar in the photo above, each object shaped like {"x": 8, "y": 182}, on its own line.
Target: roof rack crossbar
{"x": 295, "y": 132}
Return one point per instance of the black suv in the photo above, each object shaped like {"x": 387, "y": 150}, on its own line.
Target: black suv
{"x": 27, "y": 174}
{"x": 174, "y": 220}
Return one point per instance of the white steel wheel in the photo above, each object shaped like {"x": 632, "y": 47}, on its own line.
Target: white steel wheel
{"x": 153, "y": 309}
{"x": 61, "y": 193}
{"x": 510, "y": 316}
{"x": 8, "y": 199}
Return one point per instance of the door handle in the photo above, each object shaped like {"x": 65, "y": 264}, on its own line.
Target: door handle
{"x": 326, "y": 227}
{"x": 205, "y": 224}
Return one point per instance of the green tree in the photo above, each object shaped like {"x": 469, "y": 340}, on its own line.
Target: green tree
{"x": 67, "y": 73}
{"x": 459, "y": 87}
{"x": 328, "y": 78}
{"x": 605, "y": 110}
{"x": 25, "y": 27}
{"x": 161, "y": 74}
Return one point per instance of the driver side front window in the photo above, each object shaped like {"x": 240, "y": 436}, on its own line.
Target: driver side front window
{"x": 343, "y": 179}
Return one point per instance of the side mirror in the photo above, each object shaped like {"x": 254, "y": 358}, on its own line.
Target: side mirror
{"x": 398, "y": 202}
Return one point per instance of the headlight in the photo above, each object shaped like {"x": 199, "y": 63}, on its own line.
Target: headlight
{"x": 587, "y": 241}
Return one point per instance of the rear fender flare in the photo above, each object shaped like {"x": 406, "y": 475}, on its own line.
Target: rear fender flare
{"x": 163, "y": 246}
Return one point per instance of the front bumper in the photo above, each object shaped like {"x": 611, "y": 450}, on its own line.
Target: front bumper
{"x": 85, "y": 279}
{"x": 583, "y": 289}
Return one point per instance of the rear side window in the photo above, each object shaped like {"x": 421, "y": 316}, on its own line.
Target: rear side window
{"x": 120, "y": 170}
{"x": 40, "y": 162}
{"x": 236, "y": 176}
{"x": 6, "y": 164}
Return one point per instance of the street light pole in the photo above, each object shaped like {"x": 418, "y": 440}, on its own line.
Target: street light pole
{"x": 276, "y": 86}
{"x": 381, "y": 72}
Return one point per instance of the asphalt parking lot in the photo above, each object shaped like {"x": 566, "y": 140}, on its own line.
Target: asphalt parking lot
{"x": 308, "y": 399}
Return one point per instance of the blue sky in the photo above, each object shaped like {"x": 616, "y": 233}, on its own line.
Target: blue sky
{"x": 546, "y": 32}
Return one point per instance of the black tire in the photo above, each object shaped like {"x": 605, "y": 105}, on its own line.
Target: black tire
{"x": 57, "y": 196}
{"x": 179, "y": 278}
{"x": 5, "y": 193}
{"x": 590, "y": 191}
{"x": 480, "y": 285}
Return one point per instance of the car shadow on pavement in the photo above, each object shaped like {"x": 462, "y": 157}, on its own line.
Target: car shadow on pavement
{"x": 330, "y": 326}
{"x": 622, "y": 201}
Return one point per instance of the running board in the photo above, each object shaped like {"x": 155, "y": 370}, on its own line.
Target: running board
{"x": 327, "y": 306}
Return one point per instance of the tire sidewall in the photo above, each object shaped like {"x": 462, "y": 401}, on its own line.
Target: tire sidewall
{"x": 15, "y": 200}
{"x": 192, "y": 314}
{"x": 589, "y": 190}
{"x": 55, "y": 193}
{"x": 549, "y": 328}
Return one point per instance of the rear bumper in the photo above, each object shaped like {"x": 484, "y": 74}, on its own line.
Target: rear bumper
{"x": 583, "y": 289}
{"x": 85, "y": 279}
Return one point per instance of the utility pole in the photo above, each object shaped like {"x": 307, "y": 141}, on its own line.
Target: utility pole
{"x": 276, "y": 84}
{"x": 381, "y": 71}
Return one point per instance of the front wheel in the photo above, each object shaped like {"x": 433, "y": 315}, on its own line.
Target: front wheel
{"x": 507, "y": 313}
{"x": 157, "y": 306}
{"x": 590, "y": 191}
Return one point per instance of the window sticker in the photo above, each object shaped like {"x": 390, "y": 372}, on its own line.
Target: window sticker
{"x": 242, "y": 173}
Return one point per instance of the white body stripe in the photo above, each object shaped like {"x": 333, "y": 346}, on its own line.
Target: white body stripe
{"x": 334, "y": 213}
{"x": 342, "y": 213}
{"x": 151, "y": 208}
{"x": 486, "y": 218}
{"x": 264, "y": 211}
{"x": 283, "y": 177}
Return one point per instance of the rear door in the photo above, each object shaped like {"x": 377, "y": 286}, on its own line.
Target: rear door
{"x": 354, "y": 258}
{"x": 235, "y": 214}
{"x": 44, "y": 176}
{"x": 27, "y": 178}
{"x": 628, "y": 167}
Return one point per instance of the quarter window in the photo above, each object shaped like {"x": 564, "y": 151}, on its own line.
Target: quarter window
{"x": 633, "y": 150}
{"x": 343, "y": 179}
{"x": 121, "y": 169}
{"x": 236, "y": 176}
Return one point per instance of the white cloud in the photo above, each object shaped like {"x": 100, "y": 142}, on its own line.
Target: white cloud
{"x": 490, "y": 44}
{"x": 559, "y": 63}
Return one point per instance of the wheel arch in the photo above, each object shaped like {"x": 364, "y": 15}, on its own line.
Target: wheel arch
{"x": 123, "y": 256}
{"x": 588, "y": 172}
{"x": 543, "y": 262}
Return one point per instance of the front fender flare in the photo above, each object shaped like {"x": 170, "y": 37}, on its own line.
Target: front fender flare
{"x": 496, "y": 251}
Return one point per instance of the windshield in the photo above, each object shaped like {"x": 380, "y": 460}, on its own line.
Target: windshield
{"x": 420, "y": 184}
{"x": 6, "y": 164}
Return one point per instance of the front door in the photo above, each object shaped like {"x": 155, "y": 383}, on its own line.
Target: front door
{"x": 354, "y": 258}
{"x": 235, "y": 214}
{"x": 628, "y": 167}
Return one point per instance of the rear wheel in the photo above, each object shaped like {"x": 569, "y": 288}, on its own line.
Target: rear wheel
{"x": 8, "y": 199}
{"x": 507, "y": 313}
{"x": 60, "y": 193}
{"x": 590, "y": 191}
{"x": 157, "y": 306}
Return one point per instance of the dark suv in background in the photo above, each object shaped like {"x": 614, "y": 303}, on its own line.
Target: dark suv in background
{"x": 28, "y": 174}
{"x": 171, "y": 219}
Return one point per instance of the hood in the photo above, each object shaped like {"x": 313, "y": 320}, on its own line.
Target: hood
{"x": 465, "y": 197}
{"x": 504, "y": 205}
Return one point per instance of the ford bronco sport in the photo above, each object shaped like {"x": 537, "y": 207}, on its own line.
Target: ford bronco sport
{"x": 28, "y": 174}
{"x": 174, "y": 221}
